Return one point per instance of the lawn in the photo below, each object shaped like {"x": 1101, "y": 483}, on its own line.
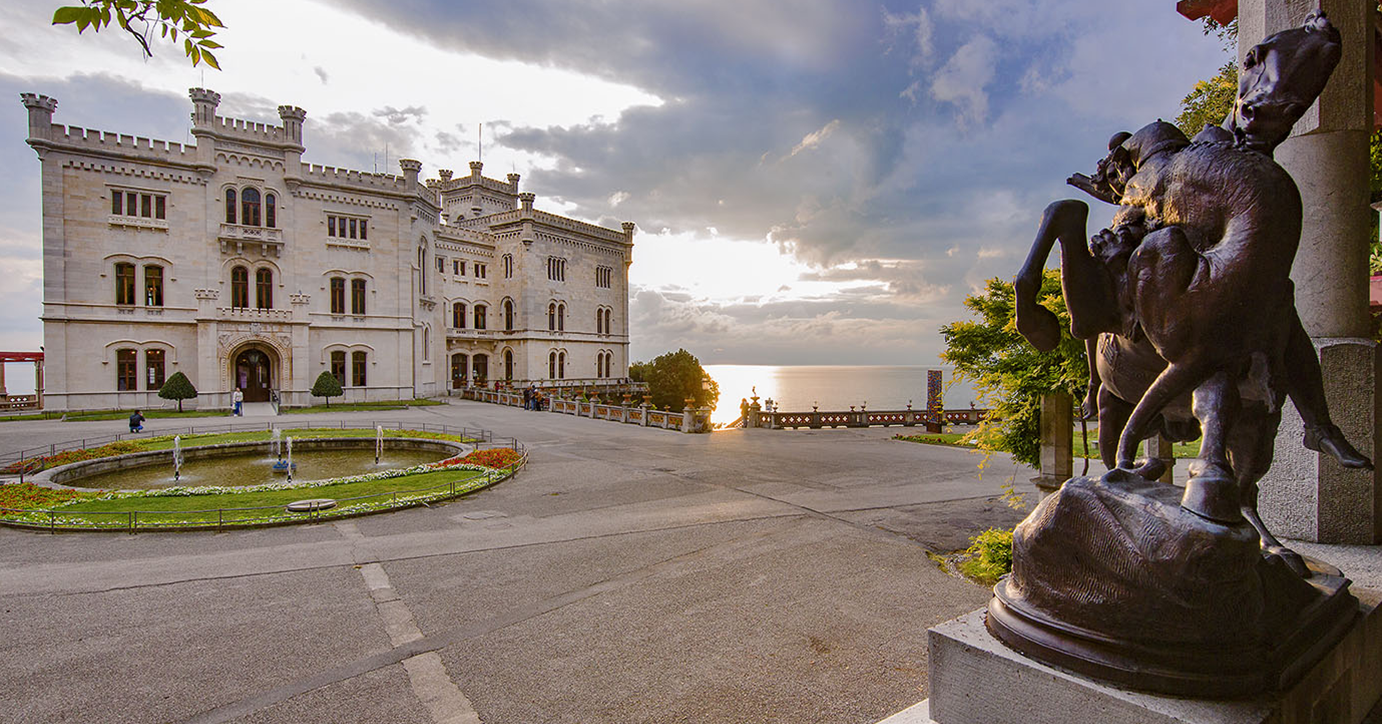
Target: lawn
{"x": 170, "y": 509}
{"x": 1181, "y": 450}
{"x": 362, "y": 406}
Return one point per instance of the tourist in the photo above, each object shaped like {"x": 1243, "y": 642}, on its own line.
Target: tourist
{"x": 528, "y": 397}
{"x": 743, "y": 408}
{"x": 237, "y": 398}
{"x": 136, "y": 422}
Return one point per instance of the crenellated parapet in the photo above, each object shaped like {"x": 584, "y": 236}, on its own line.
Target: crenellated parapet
{"x": 108, "y": 143}
{"x": 41, "y": 110}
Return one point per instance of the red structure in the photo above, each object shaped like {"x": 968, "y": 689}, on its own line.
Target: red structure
{"x": 22, "y": 402}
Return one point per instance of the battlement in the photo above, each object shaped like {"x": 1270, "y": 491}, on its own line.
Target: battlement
{"x": 111, "y": 142}
{"x": 311, "y": 172}
{"x": 249, "y": 130}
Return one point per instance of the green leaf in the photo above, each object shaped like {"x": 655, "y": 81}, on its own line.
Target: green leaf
{"x": 208, "y": 44}
{"x": 68, "y": 14}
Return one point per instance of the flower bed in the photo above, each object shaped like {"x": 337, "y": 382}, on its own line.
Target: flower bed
{"x": 496, "y": 458}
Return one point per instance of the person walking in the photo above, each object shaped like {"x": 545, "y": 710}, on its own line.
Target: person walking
{"x": 237, "y": 398}
{"x": 136, "y": 422}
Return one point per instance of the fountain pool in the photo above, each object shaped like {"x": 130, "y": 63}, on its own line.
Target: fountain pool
{"x": 255, "y": 468}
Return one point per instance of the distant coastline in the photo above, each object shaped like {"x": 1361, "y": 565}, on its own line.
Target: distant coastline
{"x": 833, "y": 387}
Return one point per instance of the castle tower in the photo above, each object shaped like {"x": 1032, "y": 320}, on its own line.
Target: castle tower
{"x": 41, "y": 110}
{"x": 204, "y": 103}
{"x": 411, "y": 168}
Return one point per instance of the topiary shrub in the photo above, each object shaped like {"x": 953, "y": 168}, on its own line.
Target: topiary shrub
{"x": 327, "y": 386}
{"x": 179, "y": 388}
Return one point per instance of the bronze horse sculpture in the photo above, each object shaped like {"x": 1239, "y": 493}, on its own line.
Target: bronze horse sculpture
{"x": 1185, "y": 302}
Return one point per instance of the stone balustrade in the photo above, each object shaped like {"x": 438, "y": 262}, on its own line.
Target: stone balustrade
{"x": 817, "y": 419}
{"x": 688, "y": 420}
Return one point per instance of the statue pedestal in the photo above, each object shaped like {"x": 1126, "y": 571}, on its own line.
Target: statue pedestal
{"x": 975, "y": 679}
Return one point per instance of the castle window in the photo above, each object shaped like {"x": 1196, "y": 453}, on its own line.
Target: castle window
{"x": 604, "y": 276}
{"x": 249, "y": 207}
{"x": 330, "y": 226}
{"x": 600, "y": 364}
{"x": 508, "y": 315}
{"x": 126, "y": 370}
{"x": 457, "y": 268}
{"x": 508, "y": 266}
{"x": 599, "y": 321}
{"x": 609, "y": 321}
{"x": 552, "y": 365}
{"x": 338, "y": 367}
{"x": 134, "y": 203}
{"x": 337, "y": 295}
{"x": 131, "y": 204}
{"x": 422, "y": 269}
{"x": 458, "y": 315}
{"x": 230, "y": 206}
{"x": 153, "y": 286}
{"x": 239, "y": 287}
{"x": 552, "y": 317}
{"x": 270, "y": 211}
{"x": 458, "y": 361}
{"x": 124, "y": 283}
{"x": 426, "y": 343}
{"x": 354, "y": 228}
{"x": 153, "y": 366}
{"x": 441, "y": 265}
{"x": 358, "y": 366}
{"x": 363, "y": 229}
{"x": 479, "y": 316}
{"x": 357, "y": 296}
{"x": 480, "y": 270}
{"x": 264, "y": 289}
{"x": 508, "y": 364}
{"x": 561, "y": 365}
{"x": 556, "y": 269}
{"x": 160, "y": 206}
{"x": 117, "y": 202}
{"x": 561, "y": 317}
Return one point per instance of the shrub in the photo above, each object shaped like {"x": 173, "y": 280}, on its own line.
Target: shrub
{"x": 990, "y": 556}
{"x": 179, "y": 388}
{"x": 327, "y": 386}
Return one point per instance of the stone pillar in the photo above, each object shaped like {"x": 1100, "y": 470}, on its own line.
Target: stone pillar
{"x": 1057, "y": 431}
{"x": 1307, "y": 495}
{"x": 38, "y": 383}
{"x": 3, "y": 392}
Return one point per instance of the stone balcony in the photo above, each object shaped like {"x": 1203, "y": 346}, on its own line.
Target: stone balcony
{"x": 251, "y": 314}
{"x": 486, "y": 335}
{"x": 235, "y": 238}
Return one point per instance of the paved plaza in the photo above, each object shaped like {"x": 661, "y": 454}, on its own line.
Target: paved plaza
{"x": 627, "y": 575}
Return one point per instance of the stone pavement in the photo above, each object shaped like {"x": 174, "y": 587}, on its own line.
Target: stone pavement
{"x": 628, "y": 575}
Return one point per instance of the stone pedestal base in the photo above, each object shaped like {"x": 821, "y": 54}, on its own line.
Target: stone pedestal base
{"x": 975, "y": 679}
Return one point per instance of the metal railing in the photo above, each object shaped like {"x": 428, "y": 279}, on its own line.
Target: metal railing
{"x": 11, "y": 462}
{"x": 132, "y": 521}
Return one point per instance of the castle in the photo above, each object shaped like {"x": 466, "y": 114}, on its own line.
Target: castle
{"x": 239, "y": 265}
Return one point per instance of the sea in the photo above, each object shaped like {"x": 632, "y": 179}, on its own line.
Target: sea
{"x": 796, "y": 388}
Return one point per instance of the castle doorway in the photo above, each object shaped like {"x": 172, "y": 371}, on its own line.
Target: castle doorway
{"x": 253, "y": 373}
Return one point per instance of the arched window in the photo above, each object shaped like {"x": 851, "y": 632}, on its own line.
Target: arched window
{"x": 508, "y": 266}
{"x": 126, "y": 370}
{"x": 264, "y": 288}
{"x": 230, "y": 206}
{"x": 359, "y": 366}
{"x": 458, "y": 361}
{"x": 508, "y": 315}
{"x": 561, "y": 365}
{"x": 270, "y": 210}
{"x": 552, "y": 317}
{"x": 479, "y": 368}
{"x": 153, "y": 285}
{"x": 480, "y": 316}
{"x": 508, "y": 364}
{"x": 552, "y": 365}
{"x": 249, "y": 207}
{"x": 338, "y": 297}
{"x": 426, "y": 343}
{"x": 422, "y": 269}
{"x": 599, "y": 364}
{"x": 338, "y": 367}
{"x": 458, "y": 315}
{"x": 124, "y": 283}
{"x": 153, "y": 365}
{"x": 599, "y": 321}
{"x": 561, "y": 317}
{"x": 609, "y": 321}
{"x": 239, "y": 287}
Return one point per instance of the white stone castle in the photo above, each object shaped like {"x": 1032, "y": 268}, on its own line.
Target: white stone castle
{"x": 237, "y": 264}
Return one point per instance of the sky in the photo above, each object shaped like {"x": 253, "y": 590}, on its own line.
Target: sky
{"x": 814, "y": 181}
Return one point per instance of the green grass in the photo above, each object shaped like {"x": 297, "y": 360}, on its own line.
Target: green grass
{"x": 358, "y": 406}
{"x": 1180, "y": 450}
{"x": 184, "y": 508}
{"x": 166, "y": 442}
{"x": 151, "y": 414}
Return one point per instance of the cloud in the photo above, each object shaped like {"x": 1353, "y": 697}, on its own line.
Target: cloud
{"x": 815, "y": 138}
{"x": 961, "y": 81}
{"x": 321, "y": 73}
{"x": 397, "y": 116}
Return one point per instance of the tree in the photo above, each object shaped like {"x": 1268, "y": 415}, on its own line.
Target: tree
{"x": 675, "y": 376}
{"x": 327, "y": 386}
{"x": 179, "y": 388}
{"x": 1009, "y": 374}
{"x": 1210, "y": 102}
{"x": 141, "y": 18}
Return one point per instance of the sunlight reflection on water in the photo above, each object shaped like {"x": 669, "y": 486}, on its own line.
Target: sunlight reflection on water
{"x": 796, "y": 388}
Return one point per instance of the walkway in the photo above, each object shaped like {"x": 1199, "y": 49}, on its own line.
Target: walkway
{"x": 629, "y": 575}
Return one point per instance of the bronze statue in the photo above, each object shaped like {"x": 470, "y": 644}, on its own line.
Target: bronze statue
{"x": 1188, "y": 311}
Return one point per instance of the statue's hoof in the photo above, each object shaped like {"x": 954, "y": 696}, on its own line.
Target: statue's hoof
{"x": 1151, "y": 468}
{"x": 1212, "y": 493}
{"x": 1331, "y": 440}
{"x": 1287, "y": 557}
{"x": 1040, "y": 327}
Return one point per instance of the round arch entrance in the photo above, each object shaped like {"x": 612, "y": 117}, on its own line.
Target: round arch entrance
{"x": 254, "y": 370}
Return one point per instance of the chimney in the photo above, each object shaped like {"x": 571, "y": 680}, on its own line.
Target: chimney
{"x": 40, "y": 114}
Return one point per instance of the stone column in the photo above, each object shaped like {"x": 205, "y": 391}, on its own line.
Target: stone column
{"x": 3, "y": 393}
{"x": 1057, "y": 436}
{"x": 38, "y": 383}
{"x": 1307, "y": 495}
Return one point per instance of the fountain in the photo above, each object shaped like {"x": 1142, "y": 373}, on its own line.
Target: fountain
{"x": 277, "y": 439}
{"x": 290, "y": 460}
{"x": 177, "y": 458}
{"x": 378, "y": 442}
{"x": 281, "y": 465}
